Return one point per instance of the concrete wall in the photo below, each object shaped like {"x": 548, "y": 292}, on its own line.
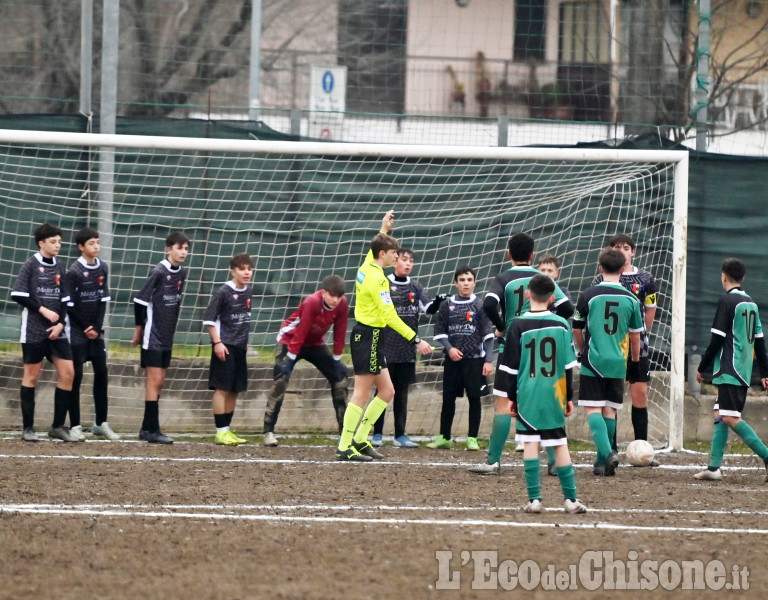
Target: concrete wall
{"x": 185, "y": 406}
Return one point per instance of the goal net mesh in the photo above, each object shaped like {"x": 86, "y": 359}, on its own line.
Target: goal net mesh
{"x": 304, "y": 215}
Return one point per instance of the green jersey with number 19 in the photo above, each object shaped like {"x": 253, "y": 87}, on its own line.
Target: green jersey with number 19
{"x": 532, "y": 369}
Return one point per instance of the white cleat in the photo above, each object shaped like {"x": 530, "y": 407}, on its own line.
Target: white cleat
{"x": 533, "y": 507}
{"x": 708, "y": 475}
{"x": 574, "y": 507}
{"x": 105, "y": 431}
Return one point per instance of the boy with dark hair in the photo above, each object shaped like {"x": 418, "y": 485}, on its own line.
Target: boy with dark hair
{"x": 642, "y": 284}
{"x": 737, "y": 336}
{"x": 228, "y": 321}
{"x": 605, "y": 314}
{"x": 373, "y": 312}
{"x": 302, "y": 336}
{"x": 41, "y": 291}
{"x": 409, "y": 299}
{"x": 157, "y": 307}
{"x": 507, "y": 294}
{"x": 535, "y": 374}
{"x": 87, "y": 280}
{"x": 466, "y": 334}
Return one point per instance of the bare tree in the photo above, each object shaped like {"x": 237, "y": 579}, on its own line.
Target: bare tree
{"x": 738, "y": 54}
{"x": 171, "y": 53}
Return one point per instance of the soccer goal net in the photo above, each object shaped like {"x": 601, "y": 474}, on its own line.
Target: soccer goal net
{"x": 305, "y": 210}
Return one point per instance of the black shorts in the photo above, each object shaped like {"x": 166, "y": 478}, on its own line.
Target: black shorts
{"x": 465, "y": 374}
{"x": 402, "y": 374}
{"x": 33, "y": 353}
{"x": 155, "y": 358}
{"x": 366, "y": 349}
{"x": 730, "y": 399}
{"x": 93, "y": 351}
{"x": 319, "y": 356}
{"x": 601, "y": 391}
{"x": 231, "y": 374}
{"x": 545, "y": 437}
{"x": 643, "y": 371}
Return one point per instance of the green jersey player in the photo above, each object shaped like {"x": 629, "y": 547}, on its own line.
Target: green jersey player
{"x": 534, "y": 374}
{"x": 737, "y": 336}
{"x": 605, "y": 315}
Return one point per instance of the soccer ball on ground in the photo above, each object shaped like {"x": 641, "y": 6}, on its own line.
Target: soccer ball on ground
{"x": 639, "y": 453}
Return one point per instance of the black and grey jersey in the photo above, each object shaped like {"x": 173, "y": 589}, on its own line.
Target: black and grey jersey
{"x": 89, "y": 291}
{"x": 464, "y": 323}
{"x": 161, "y": 295}
{"x": 229, "y": 311}
{"x": 41, "y": 283}
{"x": 409, "y": 300}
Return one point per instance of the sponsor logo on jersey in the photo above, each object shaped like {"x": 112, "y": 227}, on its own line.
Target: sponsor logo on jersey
{"x": 470, "y": 316}
{"x": 360, "y": 277}
{"x": 385, "y": 297}
{"x": 86, "y": 274}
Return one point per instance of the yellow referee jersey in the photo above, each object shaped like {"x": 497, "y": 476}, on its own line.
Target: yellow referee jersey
{"x": 373, "y": 304}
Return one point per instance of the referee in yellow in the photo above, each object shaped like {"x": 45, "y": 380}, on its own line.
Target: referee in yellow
{"x": 373, "y": 312}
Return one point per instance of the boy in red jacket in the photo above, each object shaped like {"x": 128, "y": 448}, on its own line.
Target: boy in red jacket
{"x": 302, "y": 337}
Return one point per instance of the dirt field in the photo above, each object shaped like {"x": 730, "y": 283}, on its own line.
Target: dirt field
{"x": 195, "y": 520}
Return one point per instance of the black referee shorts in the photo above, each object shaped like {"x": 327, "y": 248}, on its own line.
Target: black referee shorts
{"x": 366, "y": 349}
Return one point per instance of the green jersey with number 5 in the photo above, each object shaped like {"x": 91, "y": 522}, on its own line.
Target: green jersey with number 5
{"x": 607, "y": 313}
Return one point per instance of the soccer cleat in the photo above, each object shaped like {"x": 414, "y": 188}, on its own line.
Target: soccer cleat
{"x": 574, "y": 507}
{"x": 611, "y": 463}
{"x": 533, "y": 507}
{"x": 154, "y": 437}
{"x": 28, "y": 435}
{"x": 237, "y": 438}
{"x": 270, "y": 439}
{"x": 376, "y": 440}
{"x": 519, "y": 447}
{"x": 486, "y": 469}
{"x": 708, "y": 475}
{"x": 77, "y": 433}
{"x": 351, "y": 455}
{"x": 439, "y": 442}
{"x": 598, "y": 469}
{"x": 404, "y": 442}
{"x": 366, "y": 449}
{"x": 552, "y": 469}
{"x": 472, "y": 444}
{"x": 105, "y": 431}
{"x": 654, "y": 463}
{"x": 223, "y": 438}
{"x": 61, "y": 433}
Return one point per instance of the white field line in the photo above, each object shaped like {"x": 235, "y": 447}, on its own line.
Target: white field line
{"x": 163, "y": 514}
{"x": 365, "y": 508}
{"x": 387, "y": 462}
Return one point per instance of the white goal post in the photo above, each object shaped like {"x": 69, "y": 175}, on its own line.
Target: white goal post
{"x": 304, "y": 210}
